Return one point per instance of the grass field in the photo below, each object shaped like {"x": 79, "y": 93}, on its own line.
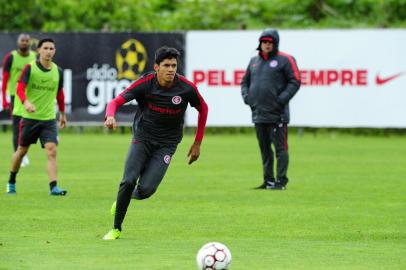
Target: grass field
{"x": 345, "y": 207}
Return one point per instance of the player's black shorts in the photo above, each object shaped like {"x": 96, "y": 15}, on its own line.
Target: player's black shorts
{"x": 31, "y": 130}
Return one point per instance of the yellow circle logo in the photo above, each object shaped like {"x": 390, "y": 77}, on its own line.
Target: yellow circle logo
{"x": 131, "y": 59}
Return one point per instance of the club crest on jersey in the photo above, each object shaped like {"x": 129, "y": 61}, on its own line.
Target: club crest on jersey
{"x": 167, "y": 159}
{"x": 176, "y": 100}
{"x": 273, "y": 63}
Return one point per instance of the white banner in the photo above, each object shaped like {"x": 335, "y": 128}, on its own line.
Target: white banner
{"x": 350, "y": 78}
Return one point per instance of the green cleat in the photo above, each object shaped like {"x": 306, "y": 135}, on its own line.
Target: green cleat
{"x": 113, "y": 209}
{"x": 113, "y": 234}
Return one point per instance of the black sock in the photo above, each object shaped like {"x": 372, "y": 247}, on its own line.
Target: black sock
{"x": 12, "y": 179}
{"x": 52, "y": 185}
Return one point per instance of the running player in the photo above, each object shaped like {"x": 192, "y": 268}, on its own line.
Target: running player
{"x": 162, "y": 97}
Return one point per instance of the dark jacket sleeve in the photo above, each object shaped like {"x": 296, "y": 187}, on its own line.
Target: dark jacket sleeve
{"x": 7, "y": 62}
{"x": 245, "y": 84}
{"x": 292, "y": 74}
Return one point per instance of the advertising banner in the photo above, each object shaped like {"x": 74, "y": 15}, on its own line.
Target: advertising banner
{"x": 350, "y": 78}
{"x": 99, "y": 66}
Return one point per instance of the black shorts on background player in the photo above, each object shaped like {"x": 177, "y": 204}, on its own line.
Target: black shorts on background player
{"x": 32, "y": 130}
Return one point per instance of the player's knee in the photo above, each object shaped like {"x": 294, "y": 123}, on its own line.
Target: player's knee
{"x": 145, "y": 193}
{"x": 22, "y": 151}
{"x": 128, "y": 182}
{"x": 129, "y": 179}
{"x": 51, "y": 153}
{"x": 281, "y": 151}
{"x": 51, "y": 150}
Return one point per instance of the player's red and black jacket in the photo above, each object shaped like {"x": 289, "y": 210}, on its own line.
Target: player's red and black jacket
{"x": 161, "y": 111}
{"x": 270, "y": 82}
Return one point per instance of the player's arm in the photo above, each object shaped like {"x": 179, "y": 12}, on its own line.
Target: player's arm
{"x": 22, "y": 85}
{"x": 293, "y": 78}
{"x": 134, "y": 91}
{"x": 201, "y": 106}
{"x": 6, "y": 66}
{"x": 60, "y": 98}
{"x": 245, "y": 84}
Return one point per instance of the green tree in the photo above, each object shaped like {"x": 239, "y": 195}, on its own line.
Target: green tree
{"x": 170, "y": 15}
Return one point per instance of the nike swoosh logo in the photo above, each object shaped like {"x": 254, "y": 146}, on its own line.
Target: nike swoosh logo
{"x": 380, "y": 81}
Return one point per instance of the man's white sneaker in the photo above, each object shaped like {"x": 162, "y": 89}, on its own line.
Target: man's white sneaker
{"x": 25, "y": 162}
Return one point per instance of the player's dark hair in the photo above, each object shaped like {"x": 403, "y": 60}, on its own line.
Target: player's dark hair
{"x": 166, "y": 53}
{"x": 42, "y": 41}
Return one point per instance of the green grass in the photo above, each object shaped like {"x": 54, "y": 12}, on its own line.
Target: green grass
{"x": 344, "y": 207}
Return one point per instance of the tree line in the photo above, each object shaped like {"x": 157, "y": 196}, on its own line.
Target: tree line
{"x": 179, "y": 15}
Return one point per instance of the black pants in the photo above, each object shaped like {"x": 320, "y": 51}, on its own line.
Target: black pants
{"x": 145, "y": 168}
{"x": 276, "y": 135}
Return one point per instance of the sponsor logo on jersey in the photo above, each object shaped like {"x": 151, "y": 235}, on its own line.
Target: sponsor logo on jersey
{"x": 167, "y": 159}
{"x": 176, "y": 100}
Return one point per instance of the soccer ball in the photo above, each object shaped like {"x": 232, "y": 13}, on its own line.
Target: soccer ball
{"x": 213, "y": 256}
{"x": 131, "y": 59}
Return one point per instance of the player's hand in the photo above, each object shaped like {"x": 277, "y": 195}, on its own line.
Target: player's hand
{"x": 110, "y": 122}
{"x": 62, "y": 120}
{"x": 194, "y": 152}
{"x": 29, "y": 107}
{"x": 6, "y": 105}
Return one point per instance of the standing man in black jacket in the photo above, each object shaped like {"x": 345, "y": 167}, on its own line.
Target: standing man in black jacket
{"x": 271, "y": 80}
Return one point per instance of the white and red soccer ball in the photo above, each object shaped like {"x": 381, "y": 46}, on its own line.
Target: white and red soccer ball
{"x": 213, "y": 256}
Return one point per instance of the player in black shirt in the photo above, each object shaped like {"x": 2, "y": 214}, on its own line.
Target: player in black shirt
{"x": 162, "y": 98}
